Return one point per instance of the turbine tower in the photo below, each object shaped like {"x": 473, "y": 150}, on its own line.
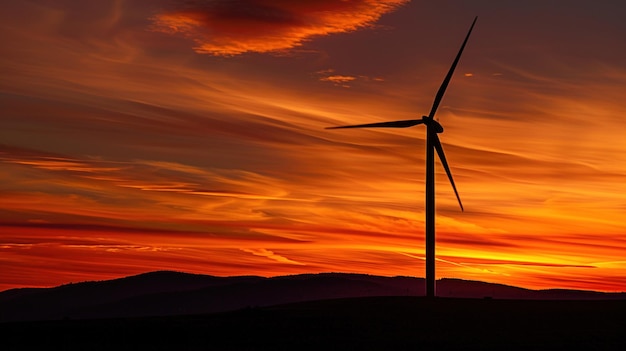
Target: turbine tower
{"x": 432, "y": 143}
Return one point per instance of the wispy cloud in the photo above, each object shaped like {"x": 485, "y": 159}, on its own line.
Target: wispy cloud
{"x": 235, "y": 27}
{"x": 338, "y": 79}
{"x": 272, "y": 256}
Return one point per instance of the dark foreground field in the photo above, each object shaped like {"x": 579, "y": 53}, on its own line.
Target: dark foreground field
{"x": 371, "y": 323}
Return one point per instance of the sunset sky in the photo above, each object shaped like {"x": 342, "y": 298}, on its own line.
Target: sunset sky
{"x": 141, "y": 135}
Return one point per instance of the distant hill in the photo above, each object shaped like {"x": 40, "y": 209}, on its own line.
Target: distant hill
{"x": 166, "y": 293}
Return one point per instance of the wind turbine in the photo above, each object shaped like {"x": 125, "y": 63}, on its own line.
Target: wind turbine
{"x": 432, "y": 143}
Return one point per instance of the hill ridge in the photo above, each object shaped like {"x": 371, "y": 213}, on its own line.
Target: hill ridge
{"x": 163, "y": 293}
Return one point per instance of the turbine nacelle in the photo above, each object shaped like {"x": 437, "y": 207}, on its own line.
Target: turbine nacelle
{"x": 438, "y": 128}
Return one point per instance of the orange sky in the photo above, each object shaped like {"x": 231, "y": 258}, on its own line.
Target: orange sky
{"x": 141, "y": 135}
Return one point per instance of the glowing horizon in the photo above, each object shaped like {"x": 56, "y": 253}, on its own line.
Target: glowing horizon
{"x": 134, "y": 140}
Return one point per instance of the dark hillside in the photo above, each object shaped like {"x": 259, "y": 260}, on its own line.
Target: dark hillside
{"x": 369, "y": 323}
{"x": 172, "y": 293}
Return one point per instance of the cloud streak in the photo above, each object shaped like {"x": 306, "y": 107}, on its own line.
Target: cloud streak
{"x": 272, "y": 256}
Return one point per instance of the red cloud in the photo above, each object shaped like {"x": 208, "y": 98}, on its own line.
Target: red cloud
{"x": 234, "y": 27}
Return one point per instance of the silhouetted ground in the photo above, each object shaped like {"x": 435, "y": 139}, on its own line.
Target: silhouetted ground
{"x": 174, "y": 293}
{"x": 370, "y": 323}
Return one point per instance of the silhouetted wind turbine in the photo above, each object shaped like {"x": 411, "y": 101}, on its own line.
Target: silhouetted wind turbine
{"x": 432, "y": 143}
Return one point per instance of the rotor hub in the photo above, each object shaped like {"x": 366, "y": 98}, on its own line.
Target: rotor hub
{"x": 431, "y": 122}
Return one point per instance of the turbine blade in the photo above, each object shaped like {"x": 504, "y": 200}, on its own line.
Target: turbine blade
{"x": 442, "y": 157}
{"x": 444, "y": 84}
{"x": 393, "y": 124}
